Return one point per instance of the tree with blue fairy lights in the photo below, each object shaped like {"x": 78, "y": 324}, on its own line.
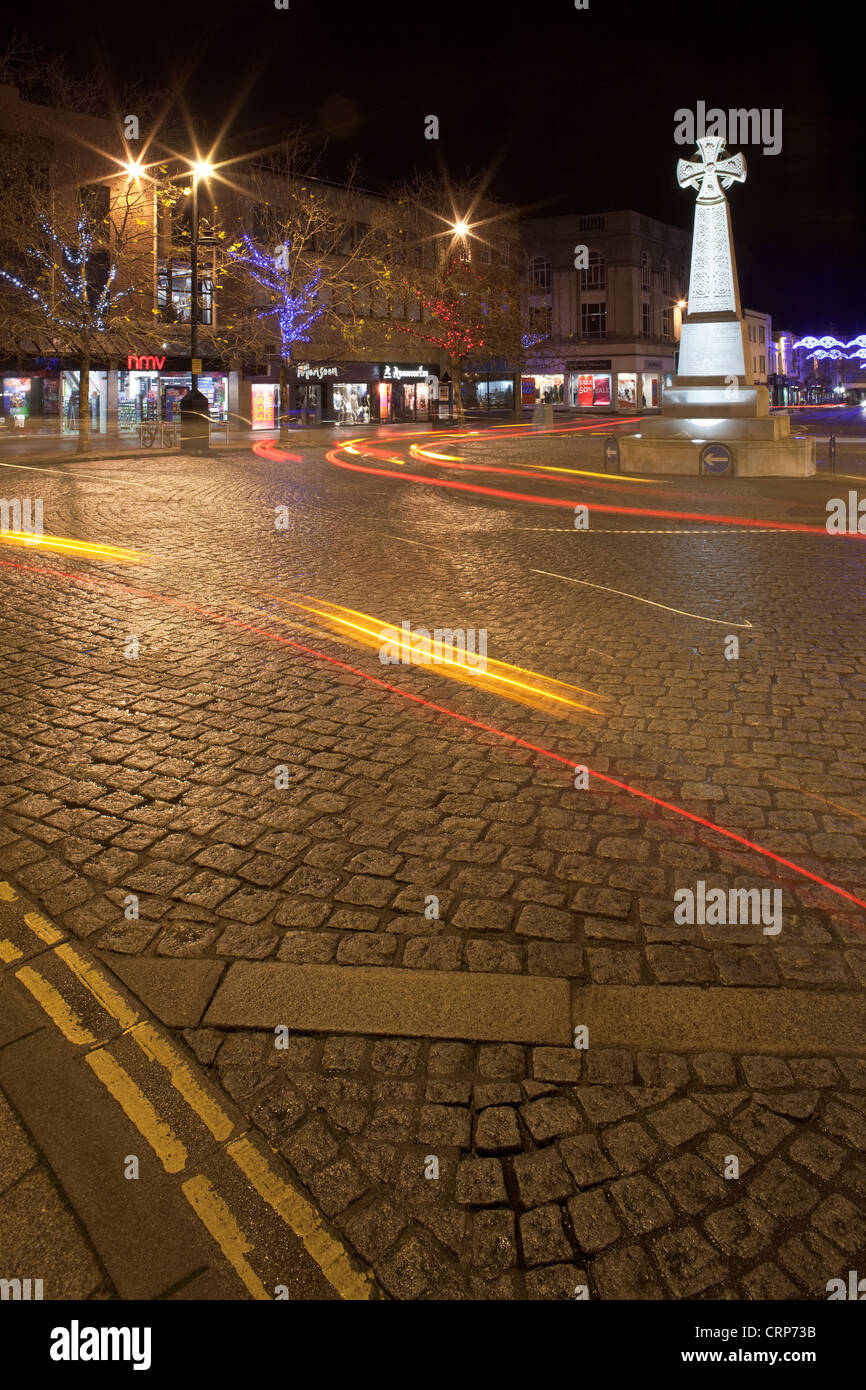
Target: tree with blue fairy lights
{"x": 65, "y": 276}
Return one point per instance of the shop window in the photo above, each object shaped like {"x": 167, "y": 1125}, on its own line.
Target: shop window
{"x": 593, "y": 320}
{"x": 174, "y": 293}
{"x": 593, "y": 277}
{"x": 539, "y": 269}
{"x": 645, "y": 319}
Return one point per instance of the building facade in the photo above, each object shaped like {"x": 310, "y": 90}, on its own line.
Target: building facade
{"x": 605, "y": 300}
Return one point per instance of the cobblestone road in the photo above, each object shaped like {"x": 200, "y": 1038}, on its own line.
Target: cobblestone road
{"x": 154, "y": 776}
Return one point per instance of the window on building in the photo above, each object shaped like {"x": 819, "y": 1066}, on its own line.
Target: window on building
{"x": 668, "y": 322}
{"x": 591, "y": 224}
{"x": 174, "y": 292}
{"x": 539, "y": 270}
{"x": 645, "y": 282}
{"x": 593, "y": 320}
{"x": 593, "y": 277}
{"x": 666, "y": 275}
{"x": 682, "y": 285}
{"x": 761, "y": 337}
{"x": 645, "y": 320}
{"x": 763, "y": 366}
{"x": 485, "y": 255}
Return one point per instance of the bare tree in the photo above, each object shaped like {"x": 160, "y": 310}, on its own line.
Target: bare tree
{"x": 454, "y": 254}
{"x": 63, "y": 249}
{"x": 310, "y": 258}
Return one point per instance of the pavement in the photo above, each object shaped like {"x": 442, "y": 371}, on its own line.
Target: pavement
{"x": 432, "y": 993}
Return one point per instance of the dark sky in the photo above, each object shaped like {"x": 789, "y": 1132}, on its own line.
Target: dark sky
{"x": 573, "y": 109}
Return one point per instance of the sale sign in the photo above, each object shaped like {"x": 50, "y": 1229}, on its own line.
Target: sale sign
{"x": 584, "y": 390}
{"x": 263, "y": 407}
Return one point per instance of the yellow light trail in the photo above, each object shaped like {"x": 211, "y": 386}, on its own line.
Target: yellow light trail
{"x": 376, "y": 634}
{"x": 70, "y": 545}
{"x": 419, "y": 452}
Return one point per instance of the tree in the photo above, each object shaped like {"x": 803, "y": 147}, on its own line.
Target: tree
{"x": 310, "y": 260}
{"x": 293, "y": 302}
{"x": 456, "y": 249}
{"x": 65, "y": 273}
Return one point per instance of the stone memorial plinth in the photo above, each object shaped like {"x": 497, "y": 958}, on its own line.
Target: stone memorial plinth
{"x": 714, "y": 400}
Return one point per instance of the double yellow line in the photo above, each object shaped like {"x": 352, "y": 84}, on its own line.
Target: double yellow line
{"x": 210, "y": 1207}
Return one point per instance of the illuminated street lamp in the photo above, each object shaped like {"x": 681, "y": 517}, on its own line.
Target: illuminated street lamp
{"x": 202, "y": 169}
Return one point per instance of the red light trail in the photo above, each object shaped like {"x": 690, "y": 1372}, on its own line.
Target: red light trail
{"x": 109, "y": 586}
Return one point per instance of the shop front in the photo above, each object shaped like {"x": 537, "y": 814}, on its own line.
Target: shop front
{"x": 589, "y": 384}
{"x": 407, "y": 392}
{"x": 543, "y": 389}
{"x": 71, "y": 403}
{"x": 487, "y": 391}
{"x": 333, "y": 393}
{"x": 362, "y": 393}
{"x": 151, "y": 388}
{"x": 30, "y": 394}
{"x": 650, "y": 392}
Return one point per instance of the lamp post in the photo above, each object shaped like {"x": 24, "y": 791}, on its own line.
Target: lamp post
{"x": 201, "y": 170}
{"x": 194, "y": 415}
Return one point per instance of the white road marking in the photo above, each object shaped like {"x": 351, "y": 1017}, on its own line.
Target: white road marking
{"x": 722, "y": 622}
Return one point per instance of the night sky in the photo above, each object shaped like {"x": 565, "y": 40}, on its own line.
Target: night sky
{"x": 571, "y": 110}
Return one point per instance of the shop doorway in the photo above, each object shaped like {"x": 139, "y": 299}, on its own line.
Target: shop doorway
{"x": 310, "y": 403}
{"x": 97, "y": 404}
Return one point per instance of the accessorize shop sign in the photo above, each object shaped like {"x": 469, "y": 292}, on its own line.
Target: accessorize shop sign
{"x": 390, "y": 372}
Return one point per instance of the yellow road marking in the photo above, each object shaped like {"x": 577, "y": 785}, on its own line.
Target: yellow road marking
{"x": 8, "y": 952}
{"x": 96, "y": 984}
{"x": 42, "y": 928}
{"x": 304, "y": 1220}
{"x": 7, "y": 893}
{"x": 137, "y": 1108}
{"x": 157, "y": 1049}
{"x": 56, "y": 1007}
{"x": 214, "y": 1214}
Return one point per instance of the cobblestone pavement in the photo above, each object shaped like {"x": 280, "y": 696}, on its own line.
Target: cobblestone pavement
{"x": 155, "y": 777}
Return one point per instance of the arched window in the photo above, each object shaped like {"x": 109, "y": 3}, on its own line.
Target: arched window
{"x": 539, "y": 270}
{"x": 593, "y": 277}
{"x": 645, "y": 282}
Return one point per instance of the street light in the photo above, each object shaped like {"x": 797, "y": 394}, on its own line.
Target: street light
{"x": 202, "y": 169}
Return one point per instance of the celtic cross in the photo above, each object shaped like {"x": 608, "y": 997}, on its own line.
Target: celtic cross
{"x": 712, "y": 170}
